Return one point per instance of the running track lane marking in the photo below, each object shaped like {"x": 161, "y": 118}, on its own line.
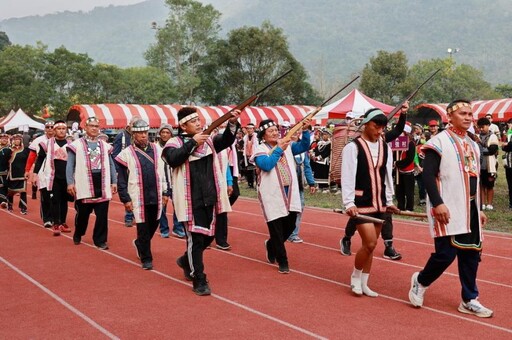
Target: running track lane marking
{"x": 111, "y": 336}
{"x": 59, "y": 299}
{"x": 282, "y": 322}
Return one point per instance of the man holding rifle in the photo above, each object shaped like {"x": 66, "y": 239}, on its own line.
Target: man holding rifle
{"x": 199, "y": 187}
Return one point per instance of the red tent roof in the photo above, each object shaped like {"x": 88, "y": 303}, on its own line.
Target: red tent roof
{"x": 118, "y": 115}
{"x": 500, "y": 109}
{"x": 356, "y": 102}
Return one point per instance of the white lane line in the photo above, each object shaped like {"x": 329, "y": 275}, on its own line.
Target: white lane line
{"x": 59, "y": 299}
{"x": 180, "y": 281}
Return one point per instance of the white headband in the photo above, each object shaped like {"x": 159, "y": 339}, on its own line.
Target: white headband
{"x": 187, "y": 118}
{"x": 269, "y": 124}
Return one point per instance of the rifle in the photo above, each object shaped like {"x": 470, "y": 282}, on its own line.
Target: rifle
{"x": 365, "y": 218}
{"x": 218, "y": 122}
{"x": 409, "y": 97}
{"x": 311, "y": 114}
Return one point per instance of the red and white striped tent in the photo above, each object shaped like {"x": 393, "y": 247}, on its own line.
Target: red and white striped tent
{"x": 500, "y": 109}
{"x": 118, "y": 115}
{"x": 356, "y": 102}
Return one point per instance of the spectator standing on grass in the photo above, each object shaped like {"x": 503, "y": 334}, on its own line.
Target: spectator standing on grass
{"x": 451, "y": 176}
{"x": 489, "y": 145}
{"x": 278, "y": 187}
{"x": 367, "y": 188}
{"x": 507, "y": 147}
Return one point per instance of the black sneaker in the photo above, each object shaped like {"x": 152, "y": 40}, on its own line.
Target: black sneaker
{"x": 102, "y": 246}
{"x": 270, "y": 256}
{"x": 201, "y": 287}
{"x": 284, "y": 269}
{"x": 77, "y": 240}
{"x": 224, "y": 246}
{"x": 391, "y": 253}
{"x": 136, "y": 249}
{"x": 148, "y": 265}
{"x": 345, "y": 244}
{"x": 186, "y": 272}
{"x": 23, "y": 211}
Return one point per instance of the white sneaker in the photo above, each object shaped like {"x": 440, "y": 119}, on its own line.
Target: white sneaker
{"x": 355, "y": 284}
{"x": 475, "y": 307}
{"x": 417, "y": 291}
{"x": 484, "y": 207}
{"x": 368, "y": 292}
{"x": 490, "y": 207}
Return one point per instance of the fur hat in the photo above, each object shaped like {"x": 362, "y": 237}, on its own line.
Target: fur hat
{"x": 164, "y": 126}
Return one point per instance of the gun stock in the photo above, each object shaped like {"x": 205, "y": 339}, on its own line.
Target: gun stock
{"x": 219, "y": 121}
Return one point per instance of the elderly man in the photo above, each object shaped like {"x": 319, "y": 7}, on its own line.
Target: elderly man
{"x": 140, "y": 189}
{"x": 451, "y": 176}
{"x": 91, "y": 178}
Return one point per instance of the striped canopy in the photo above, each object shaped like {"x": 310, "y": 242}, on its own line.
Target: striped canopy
{"x": 118, "y": 115}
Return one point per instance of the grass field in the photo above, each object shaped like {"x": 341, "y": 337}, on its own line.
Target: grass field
{"x": 500, "y": 219}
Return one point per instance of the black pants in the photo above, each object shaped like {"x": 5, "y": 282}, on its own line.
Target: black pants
{"x": 405, "y": 191}
{"x": 46, "y": 206}
{"x": 3, "y": 188}
{"x": 193, "y": 257}
{"x": 279, "y": 230}
{"x": 83, "y": 211}
{"x": 145, "y": 232}
{"x": 197, "y": 243}
{"x": 421, "y": 186}
{"x": 236, "y": 190}
{"x": 508, "y": 174}
{"x": 221, "y": 229}
{"x": 23, "y": 200}
{"x": 386, "y": 231}
{"x": 58, "y": 199}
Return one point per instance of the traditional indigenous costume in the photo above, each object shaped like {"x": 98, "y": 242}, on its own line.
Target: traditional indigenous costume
{"x": 5, "y": 156}
{"x": 16, "y": 176}
{"x": 92, "y": 171}
{"x": 278, "y": 192}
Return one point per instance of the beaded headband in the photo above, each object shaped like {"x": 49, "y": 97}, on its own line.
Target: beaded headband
{"x": 269, "y": 124}
{"x": 456, "y": 106}
{"x": 187, "y": 118}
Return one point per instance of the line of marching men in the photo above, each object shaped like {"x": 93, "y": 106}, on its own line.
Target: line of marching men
{"x": 84, "y": 171}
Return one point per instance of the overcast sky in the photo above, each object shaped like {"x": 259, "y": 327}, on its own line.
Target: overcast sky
{"x": 23, "y": 8}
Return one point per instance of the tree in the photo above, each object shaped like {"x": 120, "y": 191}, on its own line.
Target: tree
{"x": 505, "y": 90}
{"x": 384, "y": 76}
{"x": 182, "y": 44}
{"x": 250, "y": 58}
{"x": 452, "y": 82}
{"x": 4, "y": 40}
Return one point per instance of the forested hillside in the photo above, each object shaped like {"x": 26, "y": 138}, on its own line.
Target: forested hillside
{"x": 331, "y": 38}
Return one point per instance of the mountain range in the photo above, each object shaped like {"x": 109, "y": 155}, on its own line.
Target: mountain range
{"x": 331, "y": 38}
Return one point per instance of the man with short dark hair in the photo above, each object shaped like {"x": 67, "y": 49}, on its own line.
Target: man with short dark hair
{"x": 507, "y": 147}
{"x": 451, "y": 176}
{"x": 199, "y": 188}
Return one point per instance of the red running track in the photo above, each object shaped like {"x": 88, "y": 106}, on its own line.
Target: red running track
{"x": 54, "y": 289}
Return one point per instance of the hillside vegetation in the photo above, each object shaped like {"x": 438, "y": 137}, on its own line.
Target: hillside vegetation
{"x": 331, "y": 38}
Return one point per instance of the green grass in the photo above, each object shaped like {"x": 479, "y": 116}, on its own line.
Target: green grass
{"x": 499, "y": 220}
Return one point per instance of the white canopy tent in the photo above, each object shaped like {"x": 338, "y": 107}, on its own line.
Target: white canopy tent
{"x": 20, "y": 120}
